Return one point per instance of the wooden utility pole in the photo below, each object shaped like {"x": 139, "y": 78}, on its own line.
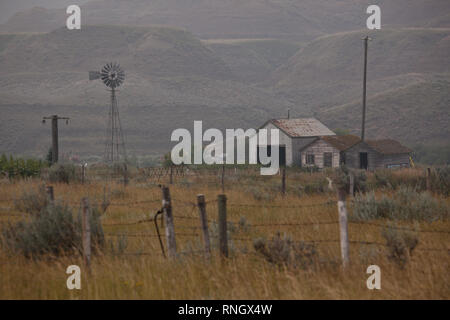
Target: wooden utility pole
{"x": 223, "y": 238}
{"x": 168, "y": 223}
{"x": 363, "y": 127}
{"x": 204, "y": 221}
{"x": 55, "y": 147}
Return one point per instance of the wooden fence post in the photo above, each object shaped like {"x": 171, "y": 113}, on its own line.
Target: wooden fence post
{"x": 283, "y": 181}
{"x": 86, "y": 232}
{"x": 125, "y": 175}
{"x": 352, "y": 184}
{"x": 204, "y": 221}
{"x": 83, "y": 173}
{"x": 223, "y": 176}
{"x": 171, "y": 174}
{"x": 343, "y": 226}
{"x": 50, "y": 193}
{"x": 223, "y": 238}
{"x": 168, "y": 222}
{"x": 428, "y": 179}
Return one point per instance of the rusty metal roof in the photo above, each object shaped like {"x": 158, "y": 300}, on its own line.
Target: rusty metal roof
{"x": 387, "y": 146}
{"x": 301, "y": 127}
{"x": 342, "y": 142}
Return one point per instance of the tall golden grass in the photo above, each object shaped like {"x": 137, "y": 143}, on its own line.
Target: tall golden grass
{"x": 245, "y": 275}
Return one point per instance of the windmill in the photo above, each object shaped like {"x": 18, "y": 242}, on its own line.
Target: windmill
{"x": 112, "y": 76}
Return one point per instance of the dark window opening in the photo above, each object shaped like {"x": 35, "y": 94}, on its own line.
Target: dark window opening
{"x": 310, "y": 159}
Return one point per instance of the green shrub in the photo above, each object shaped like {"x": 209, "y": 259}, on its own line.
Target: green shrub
{"x": 19, "y": 167}
{"x": 440, "y": 181}
{"x": 64, "y": 173}
{"x": 341, "y": 179}
{"x": 259, "y": 193}
{"x": 400, "y": 244}
{"x": 283, "y": 251}
{"x": 32, "y": 201}
{"x": 54, "y": 231}
{"x": 405, "y": 204}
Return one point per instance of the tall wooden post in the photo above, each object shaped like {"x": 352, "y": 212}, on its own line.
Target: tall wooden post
{"x": 343, "y": 226}
{"x": 86, "y": 232}
{"x": 223, "y": 238}
{"x": 363, "y": 127}
{"x": 171, "y": 174}
{"x": 283, "y": 181}
{"x": 168, "y": 223}
{"x": 204, "y": 221}
{"x": 55, "y": 149}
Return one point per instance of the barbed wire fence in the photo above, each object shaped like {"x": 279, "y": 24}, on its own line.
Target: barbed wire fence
{"x": 161, "y": 215}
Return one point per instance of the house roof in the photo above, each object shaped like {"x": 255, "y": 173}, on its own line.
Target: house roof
{"x": 387, "y": 146}
{"x": 301, "y": 127}
{"x": 342, "y": 142}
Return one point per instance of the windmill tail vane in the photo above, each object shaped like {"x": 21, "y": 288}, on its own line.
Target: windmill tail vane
{"x": 112, "y": 76}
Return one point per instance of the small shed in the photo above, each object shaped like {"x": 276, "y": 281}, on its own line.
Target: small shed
{"x": 327, "y": 151}
{"x": 375, "y": 154}
{"x": 295, "y": 134}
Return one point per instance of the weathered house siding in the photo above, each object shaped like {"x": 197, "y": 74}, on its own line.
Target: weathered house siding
{"x": 318, "y": 148}
{"x": 352, "y": 156}
{"x": 297, "y": 145}
{"x": 395, "y": 159}
{"x": 376, "y": 160}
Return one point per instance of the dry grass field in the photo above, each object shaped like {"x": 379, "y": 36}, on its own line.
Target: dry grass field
{"x": 131, "y": 264}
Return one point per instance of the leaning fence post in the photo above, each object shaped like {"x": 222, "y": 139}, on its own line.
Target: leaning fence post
{"x": 50, "y": 193}
{"x": 168, "y": 222}
{"x": 343, "y": 226}
{"x": 283, "y": 181}
{"x": 204, "y": 221}
{"x": 86, "y": 232}
{"x": 223, "y": 240}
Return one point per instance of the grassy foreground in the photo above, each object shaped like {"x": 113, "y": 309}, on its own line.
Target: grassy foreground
{"x": 141, "y": 272}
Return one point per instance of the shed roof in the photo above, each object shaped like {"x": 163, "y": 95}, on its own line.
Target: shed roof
{"x": 342, "y": 142}
{"x": 387, "y": 146}
{"x": 301, "y": 127}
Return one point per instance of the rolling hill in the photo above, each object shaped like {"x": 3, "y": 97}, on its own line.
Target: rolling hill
{"x": 172, "y": 80}
{"x": 281, "y": 19}
{"x": 328, "y": 71}
{"x": 415, "y": 113}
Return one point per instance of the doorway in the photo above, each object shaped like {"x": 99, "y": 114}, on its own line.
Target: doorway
{"x": 363, "y": 160}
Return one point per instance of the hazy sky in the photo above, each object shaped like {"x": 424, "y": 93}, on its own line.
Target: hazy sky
{"x": 10, "y": 7}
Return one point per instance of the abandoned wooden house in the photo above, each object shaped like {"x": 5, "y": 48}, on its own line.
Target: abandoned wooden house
{"x": 349, "y": 150}
{"x": 295, "y": 134}
{"x": 376, "y": 154}
{"x": 306, "y": 142}
{"x": 327, "y": 151}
